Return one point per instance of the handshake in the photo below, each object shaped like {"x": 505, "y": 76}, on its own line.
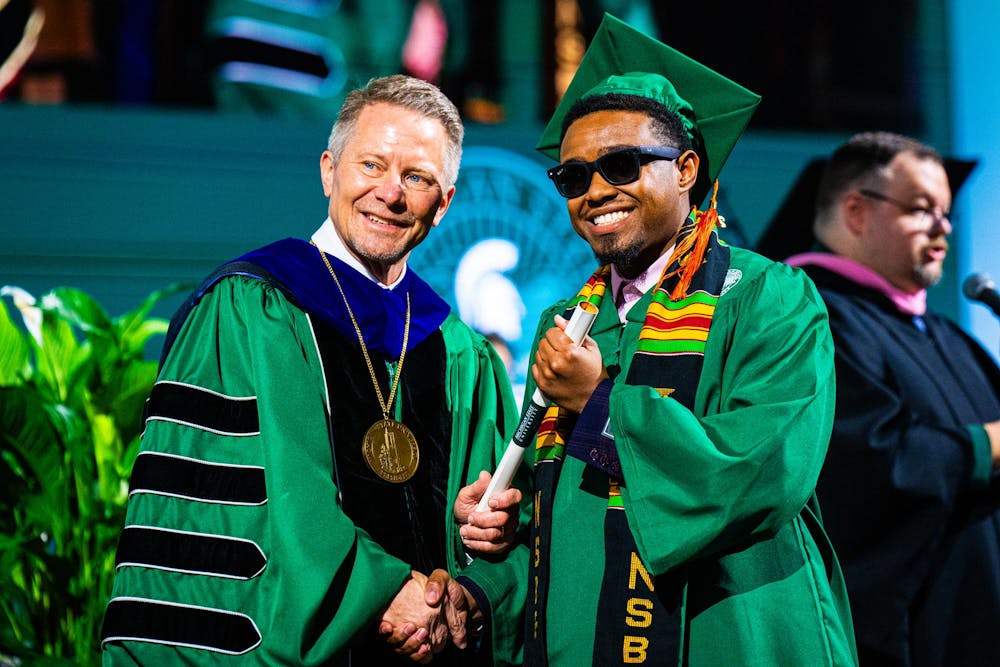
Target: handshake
{"x": 428, "y": 611}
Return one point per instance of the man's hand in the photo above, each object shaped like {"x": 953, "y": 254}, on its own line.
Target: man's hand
{"x": 457, "y": 602}
{"x": 565, "y": 372}
{"x": 492, "y": 531}
{"x": 425, "y": 613}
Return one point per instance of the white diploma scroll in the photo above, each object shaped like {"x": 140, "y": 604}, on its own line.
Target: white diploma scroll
{"x": 577, "y": 329}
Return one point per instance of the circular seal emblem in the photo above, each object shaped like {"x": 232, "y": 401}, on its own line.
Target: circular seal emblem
{"x": 391, "y": 451}
{"x": 505, "y": 251}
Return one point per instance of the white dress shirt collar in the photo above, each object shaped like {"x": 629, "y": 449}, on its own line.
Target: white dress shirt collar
{"x": 329, "y": 241}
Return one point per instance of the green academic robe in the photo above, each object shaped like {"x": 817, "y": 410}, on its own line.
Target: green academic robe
{"x": 724, "y": 492}
{"x": 305, "y": 582}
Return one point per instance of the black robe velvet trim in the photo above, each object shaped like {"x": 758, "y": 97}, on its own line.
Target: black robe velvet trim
{"x": 179, "y": 625}
{"x": 408, "y": 519}
{"x": 181, "y": 551}
{"x": 202, "y": 481}
{"x": 204, "y": 409}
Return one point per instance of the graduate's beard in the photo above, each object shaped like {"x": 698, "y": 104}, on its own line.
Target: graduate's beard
{"x": 628, "y": 259}
{"x": 619, "y": 256}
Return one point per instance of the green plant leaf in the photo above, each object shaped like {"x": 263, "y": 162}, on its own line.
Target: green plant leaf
{"x": 140, "y": 314}
{"x": 29, "y": 437}
{"x": 69, "y": 435}
{"x": 79, "y": 309}
{"x": 132, "y": 385}
{"x": 136, "y": 327}
{"x": 15, "y": 350}
{"x": 107, "y": 452}
{"x": 133, "y": 340}
{"x": 54, "y": 355}
{"x": 128, "y": 458}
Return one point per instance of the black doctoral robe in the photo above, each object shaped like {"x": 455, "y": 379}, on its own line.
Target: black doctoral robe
{"x": 908, "y": 495}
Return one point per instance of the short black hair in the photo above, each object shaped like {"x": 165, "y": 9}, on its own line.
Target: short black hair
{"x": 667, "y": 126}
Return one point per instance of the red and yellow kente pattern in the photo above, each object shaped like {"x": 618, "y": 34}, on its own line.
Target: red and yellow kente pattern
{"x": 675, "y": 324}
{"x": 550, "y": 443}
{"x": 677, "y": 327}
{"x": 593, "y": 289}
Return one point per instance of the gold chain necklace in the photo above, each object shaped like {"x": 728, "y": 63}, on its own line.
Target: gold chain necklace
{"x": 389, "y": 447}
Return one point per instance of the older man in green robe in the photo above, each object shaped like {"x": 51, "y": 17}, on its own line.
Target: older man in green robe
{"x": 316, "y": 434}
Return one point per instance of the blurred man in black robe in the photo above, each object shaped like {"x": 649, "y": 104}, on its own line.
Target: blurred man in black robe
{"x": 909, "y": 491}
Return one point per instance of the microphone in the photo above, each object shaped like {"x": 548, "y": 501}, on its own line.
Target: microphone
{"x": 980, "y": 287}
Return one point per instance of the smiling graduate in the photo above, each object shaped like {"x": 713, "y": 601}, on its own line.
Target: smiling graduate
{"x": 674, "y": 517}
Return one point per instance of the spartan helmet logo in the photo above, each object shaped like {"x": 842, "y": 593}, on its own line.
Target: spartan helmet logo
{"x": 488, "y": 300}
{"x": 504, "y": 252}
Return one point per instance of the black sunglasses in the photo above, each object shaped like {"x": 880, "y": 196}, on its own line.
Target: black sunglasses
{"x": 572, "y": 178}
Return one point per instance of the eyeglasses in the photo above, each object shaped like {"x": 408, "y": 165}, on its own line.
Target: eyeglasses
{"x": 619, "y": 167}
{"x": 928, "y": 217}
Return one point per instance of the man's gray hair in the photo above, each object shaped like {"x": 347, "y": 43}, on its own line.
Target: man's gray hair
{"x": 410, "y": 93}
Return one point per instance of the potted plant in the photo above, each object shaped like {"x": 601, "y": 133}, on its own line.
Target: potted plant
{"x": 73, "y": 382}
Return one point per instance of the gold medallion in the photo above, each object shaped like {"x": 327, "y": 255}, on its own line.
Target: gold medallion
{"x": 391, "y": 451}
{"x": 389, "y": 447}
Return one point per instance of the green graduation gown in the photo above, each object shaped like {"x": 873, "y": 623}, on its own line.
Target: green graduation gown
{"x": 726, "y": 491}
{"x": 291, "y": 579}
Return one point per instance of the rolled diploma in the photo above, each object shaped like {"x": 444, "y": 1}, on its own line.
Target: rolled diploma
{"x": 577, "y": 329}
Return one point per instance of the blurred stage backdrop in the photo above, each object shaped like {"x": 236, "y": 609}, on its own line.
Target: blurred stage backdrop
{"x": 145, "y": 142}
{"x": 142, "y": 143}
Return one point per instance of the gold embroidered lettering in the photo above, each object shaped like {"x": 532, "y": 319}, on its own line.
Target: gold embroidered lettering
{"x": 634, "y": 650}
{"x": 640, "y": 612}
{"x": 636, "y": 567}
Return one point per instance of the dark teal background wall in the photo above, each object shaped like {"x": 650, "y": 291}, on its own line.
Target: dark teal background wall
{"x": 121, "y": 202}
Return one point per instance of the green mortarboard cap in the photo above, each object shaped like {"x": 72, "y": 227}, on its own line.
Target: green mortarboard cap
{"x": 621, "y": 59}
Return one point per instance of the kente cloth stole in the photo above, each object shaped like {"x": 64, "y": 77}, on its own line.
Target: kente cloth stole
{"x": 637, "y": 622}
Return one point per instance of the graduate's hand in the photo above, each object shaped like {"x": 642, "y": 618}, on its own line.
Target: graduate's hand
{"x": 425, "y": 613}
{"x": 412, "y": 627}
{"x": 492, "y": 531}
{"x": 457, "y": 602}
{"x": 565, "y": 372}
